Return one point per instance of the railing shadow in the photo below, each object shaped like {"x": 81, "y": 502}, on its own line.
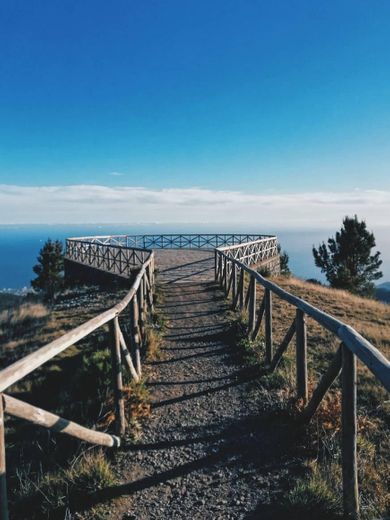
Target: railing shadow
{"x": 256, "y": 445}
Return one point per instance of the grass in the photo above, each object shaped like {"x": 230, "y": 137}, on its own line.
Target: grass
{"x": 65, "y": 489}
{"x": 154, "y": 334}
{"x": 322, "y": 437}
{"x": 316, "y": 496}
{"x": 46, "y": 470}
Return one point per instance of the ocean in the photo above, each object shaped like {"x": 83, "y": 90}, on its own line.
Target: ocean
{"x": 20, "y": 244}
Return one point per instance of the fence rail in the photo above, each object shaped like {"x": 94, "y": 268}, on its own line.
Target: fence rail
{"x": 231, "y": 272}
{"x": 139, "y": 300}
{"x": 174, "y": 241}
{"x": 116, "y": 259}
{"x": 122, "y": 255}
{"x": 253, "y": 252}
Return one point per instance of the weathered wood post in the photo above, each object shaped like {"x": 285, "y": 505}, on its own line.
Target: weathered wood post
{"x": 225, "y": 273}
{"x": 234, "y": 282}
{"x": 242, "y": 289}
{"x": 252, "y": 305}
{"x": 3, "y": 473}
{"x": 149, "y": 291}
{"x": 116, "y": 361}
{"x": 136, "y": 334}
{"x": 301, "y": 354}
{"x": 268, "y": 325}
{"x": 349, "y": 455}
{"x": 141, "y": 303}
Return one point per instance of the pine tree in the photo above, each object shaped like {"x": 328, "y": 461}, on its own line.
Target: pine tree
{"x": 283, "y": 262}
{"x": 49, "y": 269}
{"x": 347, "y": 260}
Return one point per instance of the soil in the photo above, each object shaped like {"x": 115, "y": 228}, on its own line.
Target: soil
{"x": 209, "y": 450}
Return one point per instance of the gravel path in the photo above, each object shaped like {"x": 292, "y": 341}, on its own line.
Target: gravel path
{"x": 184, "y": 265}
{"x": 206, "y": 452}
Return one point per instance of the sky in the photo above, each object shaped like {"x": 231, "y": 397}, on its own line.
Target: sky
{"x": 195, "y": 111}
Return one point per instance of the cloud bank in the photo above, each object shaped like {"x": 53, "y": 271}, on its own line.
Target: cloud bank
{"x": 88, "y": 204}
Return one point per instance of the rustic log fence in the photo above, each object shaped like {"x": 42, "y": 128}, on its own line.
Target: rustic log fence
{"x": 123, "y": 255}
{"x": 231, "y": 272}
{"x": 138, "y": 301}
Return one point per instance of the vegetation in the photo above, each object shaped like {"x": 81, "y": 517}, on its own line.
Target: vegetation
{"x": 49, "y": 269}
{"x": 50, "y": 473}
{"x": 318, "y": 492}
{"x": 347, "y": 260}
{"x": 67, "y": 489}
{"x": 284, "y": 259}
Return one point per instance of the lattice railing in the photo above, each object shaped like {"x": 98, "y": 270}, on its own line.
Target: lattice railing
{"x": 175, "y": 241}
{"x": 254, "y": 252}
{"x": 116, "y": 259}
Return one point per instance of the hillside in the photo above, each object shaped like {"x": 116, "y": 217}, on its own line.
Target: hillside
{"x": 369, "y": 317}
{"x": 372, "y": 319}
{"x": 382, "y": 292}
{"x": 213, "y": 420}
{"x": 73, "y": 385}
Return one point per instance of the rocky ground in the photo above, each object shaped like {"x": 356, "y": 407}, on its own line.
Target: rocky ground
{"x": 207, "y": 451}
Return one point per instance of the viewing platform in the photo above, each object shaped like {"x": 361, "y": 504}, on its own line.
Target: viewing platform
{"x": 205, "y": 425}
{"x": 179, "y": 258}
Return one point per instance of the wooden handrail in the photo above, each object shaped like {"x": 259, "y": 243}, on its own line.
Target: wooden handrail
{"x": 119, "y": 352}
{"x": 353, "y": 345}
{"x": 375, "y": 361}
{"x": 54, "y": 422}
{"x": 24, "y": 366}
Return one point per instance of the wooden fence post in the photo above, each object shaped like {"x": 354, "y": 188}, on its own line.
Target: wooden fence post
{"x": 349, "y": 456}
{"x": 141, "y": 303}
{"x": 3, "y": 473}
{"x": 226, "y": 275}
{"x": 301, "y": 354}
{"x": 252, "y": 305}
{"x": 234, "y": 282}
{"x": 117, "y": 376}
{"x": 268, "y": 325}
{"x": 149, "y": 291}
{"x": 136, "y": 335}
{"x": 242, "y": 283}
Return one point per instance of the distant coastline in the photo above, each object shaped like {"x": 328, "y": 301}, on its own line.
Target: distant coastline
{"x": 20, "y": 244}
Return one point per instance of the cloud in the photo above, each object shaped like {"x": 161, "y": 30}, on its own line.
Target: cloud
{"x": 130, "y": 204}
{"x": 116, "y": 174}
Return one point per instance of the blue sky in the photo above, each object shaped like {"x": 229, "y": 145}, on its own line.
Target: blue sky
{"x": 282, "y": 97}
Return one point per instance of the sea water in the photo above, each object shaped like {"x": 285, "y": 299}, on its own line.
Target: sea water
{"x": 20, "y": 245}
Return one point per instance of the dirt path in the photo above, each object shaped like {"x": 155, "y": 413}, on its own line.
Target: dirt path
{"x": 206, "y": 452}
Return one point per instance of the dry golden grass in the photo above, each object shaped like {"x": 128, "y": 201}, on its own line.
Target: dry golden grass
{"x": 371, "y": 319}
{"x": 74, "y": 384}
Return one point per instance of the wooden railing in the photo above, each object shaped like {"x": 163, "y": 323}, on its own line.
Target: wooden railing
{"x": 240, "y": 281}
{"x": 174, "y": 241}
{"x": 115, "y": 258}
{"x": 253, "y": 252}
{"x": 139, "y": 300}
